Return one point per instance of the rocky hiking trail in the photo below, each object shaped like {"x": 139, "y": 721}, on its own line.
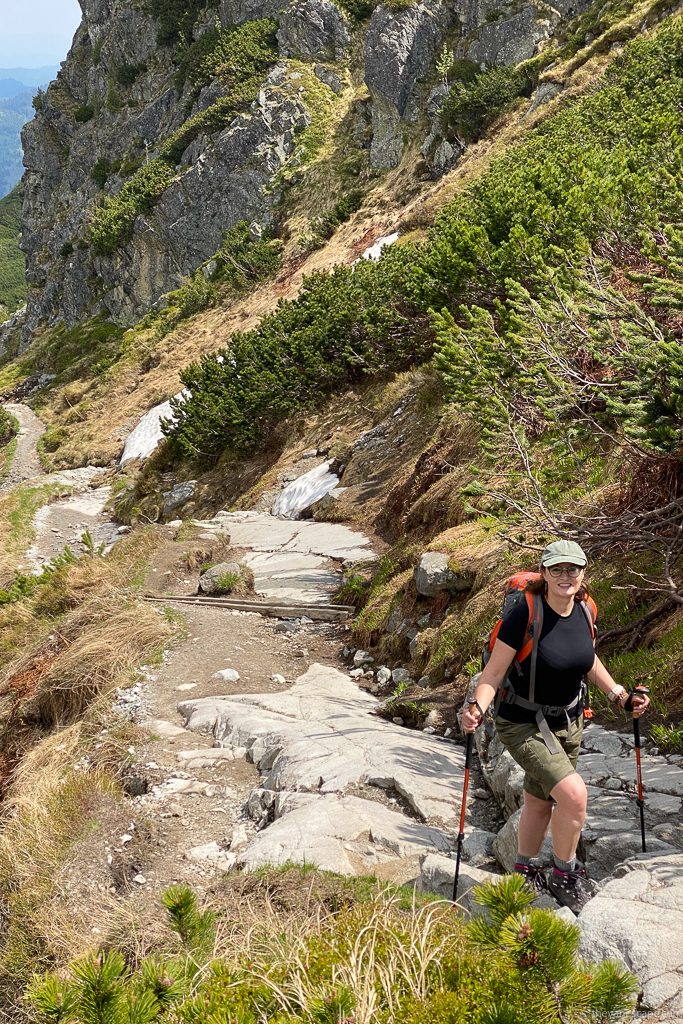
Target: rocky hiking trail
{"x": 25, "y": 463}
{"x": 258, "y": 742}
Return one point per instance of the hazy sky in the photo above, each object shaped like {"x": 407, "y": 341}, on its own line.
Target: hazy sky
{"x": 39, "y": 31}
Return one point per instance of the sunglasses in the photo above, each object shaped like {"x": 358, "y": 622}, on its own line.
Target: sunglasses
{"x": 572, "y": 570}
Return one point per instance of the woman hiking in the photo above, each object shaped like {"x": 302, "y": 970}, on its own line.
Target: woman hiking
{"x": 545, "y": 735}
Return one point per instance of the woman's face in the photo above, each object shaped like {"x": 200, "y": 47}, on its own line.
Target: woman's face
{"x": 560, "y": 583}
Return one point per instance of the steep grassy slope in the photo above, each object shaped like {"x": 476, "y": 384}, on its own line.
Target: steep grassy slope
{"x": 12, "y": 262}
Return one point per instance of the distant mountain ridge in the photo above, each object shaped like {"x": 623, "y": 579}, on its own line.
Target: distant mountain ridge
{"x": 15, "y": 111}
{"x": 10, "y": 87}
{"x": 28, "y": 78}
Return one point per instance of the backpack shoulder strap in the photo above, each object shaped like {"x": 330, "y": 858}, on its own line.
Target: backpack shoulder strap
{"x": 536, "y": 626}
{"x": 527, "y": 646}
{"x": 590, "y": 610}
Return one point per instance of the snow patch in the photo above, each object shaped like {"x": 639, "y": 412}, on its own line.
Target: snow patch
{"x": 375, "y": 251}
{"x": 304, "y": 491}
{"x": 144, "y": 439}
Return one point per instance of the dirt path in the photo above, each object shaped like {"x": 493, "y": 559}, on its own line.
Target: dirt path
{"x": 26, "y": 463}
{"x": 195, "y": 805}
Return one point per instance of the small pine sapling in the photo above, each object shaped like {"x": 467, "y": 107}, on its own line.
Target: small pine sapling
{"x": 332, "y": 1006}
{"x": 196, "y": 930}
{"x": 53, "y": 999}
{"x": 99, "y": 980}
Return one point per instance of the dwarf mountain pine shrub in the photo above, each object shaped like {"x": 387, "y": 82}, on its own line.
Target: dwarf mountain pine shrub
{"x": 342, "y": 326}
{"x": 177, "y": 18}
{"x": 342, "y": 211}
{"x": 384, "y": 958}
{"x": 239, "y": 55}
{"x": 473, "y": 103}
{"x": 244, "y": 261}
{"x": 115, "y": 219}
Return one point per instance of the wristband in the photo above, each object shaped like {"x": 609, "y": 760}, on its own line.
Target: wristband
{"x": 616, "y": 694}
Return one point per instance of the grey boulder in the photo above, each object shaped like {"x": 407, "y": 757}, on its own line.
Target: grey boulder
{"x": 226, "y": 675}
{"x": 638, "y": 920}
{"x": 333, "y": 82}
{"x": 511, "y": 40}
{"x": 209, "y": 581}
{"x": 178, "y": 496}
{"x": 477, "y": 848}
{"x": 433, "y": 575}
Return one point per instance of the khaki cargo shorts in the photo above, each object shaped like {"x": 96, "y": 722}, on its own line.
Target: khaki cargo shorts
{"x": 543, "y": 769}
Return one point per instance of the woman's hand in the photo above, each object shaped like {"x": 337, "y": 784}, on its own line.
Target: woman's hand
{"x": 471, "y": 719}
{"x": 638, "y": 703}
{"x": 633, "y": 703}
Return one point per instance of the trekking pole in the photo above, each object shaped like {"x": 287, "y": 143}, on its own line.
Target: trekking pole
{"x": 636, "y": 736}
{"x": 461, "y": 834}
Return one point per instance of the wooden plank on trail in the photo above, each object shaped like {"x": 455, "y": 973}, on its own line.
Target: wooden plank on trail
{"x": 322, "y": 612}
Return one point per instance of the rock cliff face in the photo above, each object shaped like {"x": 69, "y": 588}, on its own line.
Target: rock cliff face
{"x": 143, "y": 152}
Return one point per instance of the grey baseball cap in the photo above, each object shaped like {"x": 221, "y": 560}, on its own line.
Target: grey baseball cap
{"x": 563, "y": 551}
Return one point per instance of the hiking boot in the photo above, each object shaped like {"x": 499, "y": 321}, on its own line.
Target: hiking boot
{"x": 571, "y": 888}
{"x": 534, "y": 876}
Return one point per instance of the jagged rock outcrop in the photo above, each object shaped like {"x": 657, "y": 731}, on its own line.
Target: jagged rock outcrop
{"x": 88, "y": 120}
{"x": 511, "y": 40}
{"x": 118, "y": 131}
{"x": 313, "y": 28}
{"x": 398, "y": 51}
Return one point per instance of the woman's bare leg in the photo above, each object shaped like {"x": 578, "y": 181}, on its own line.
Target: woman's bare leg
{"x": 569, "y": 815}
{"x": 533, "y": 825}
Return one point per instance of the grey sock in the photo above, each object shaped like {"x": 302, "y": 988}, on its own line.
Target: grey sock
{"x": 564, "y": 865}
{"x": 531, "y": 862}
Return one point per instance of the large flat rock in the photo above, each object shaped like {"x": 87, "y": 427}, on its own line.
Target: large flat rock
{"x": 638, "y": 920}
{"x": 659, "y": 776}
{"x": 347, "y": 834}
{"x": 263, "y": 532}
{"x": 320, "y": 737}
{"x": 293, "y": 577}
{"x": 290, "y": 559}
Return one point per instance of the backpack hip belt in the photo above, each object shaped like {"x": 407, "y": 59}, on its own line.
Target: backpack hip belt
{"x": 543, "y": 712}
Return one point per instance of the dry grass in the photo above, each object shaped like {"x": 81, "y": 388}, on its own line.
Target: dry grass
{"x": 103, "y": 642}
{"x": 389, "y": 953}
{"x": 45, "y": 810}
{"x": 82, "y": 634}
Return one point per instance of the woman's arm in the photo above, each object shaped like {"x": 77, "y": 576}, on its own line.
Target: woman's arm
{"x": 495, "y": 671}
{"x": 601, "y": 678}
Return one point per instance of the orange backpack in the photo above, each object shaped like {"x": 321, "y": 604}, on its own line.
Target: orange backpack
{"x": 515, "y": 592}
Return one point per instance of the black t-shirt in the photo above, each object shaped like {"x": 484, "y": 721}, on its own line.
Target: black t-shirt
{"x": 565, "y": 654}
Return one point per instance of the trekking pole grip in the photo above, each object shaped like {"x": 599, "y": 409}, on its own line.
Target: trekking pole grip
{"x": 472, "y": 705}
{"x": 642, "y": 691}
